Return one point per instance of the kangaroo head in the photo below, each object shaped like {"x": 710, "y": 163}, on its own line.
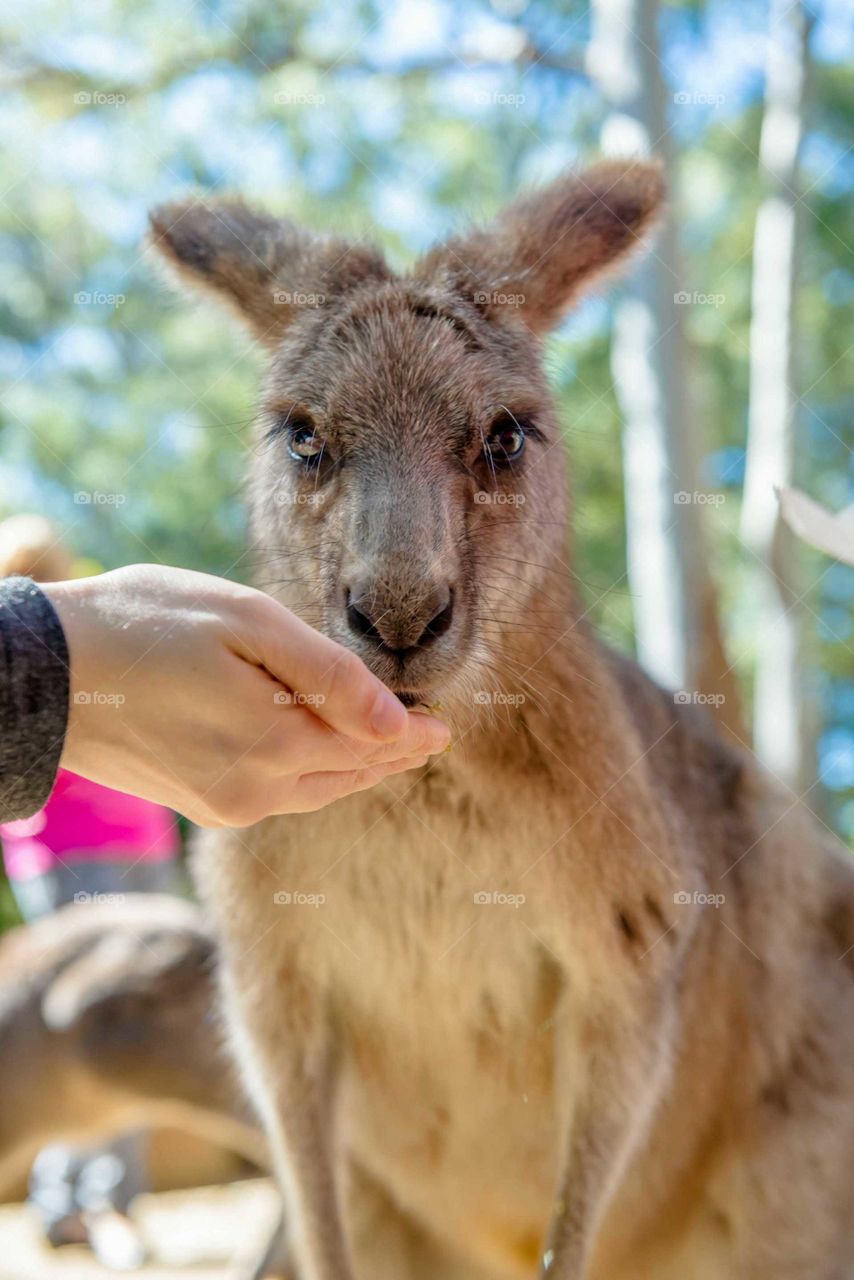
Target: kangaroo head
{"x": 407, "y": 486}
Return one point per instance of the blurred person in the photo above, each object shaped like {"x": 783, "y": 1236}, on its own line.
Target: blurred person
{"x": 30, "y": 547}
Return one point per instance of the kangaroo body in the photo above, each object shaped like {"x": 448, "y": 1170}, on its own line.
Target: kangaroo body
{"x": 464, "y": 1033}
{"x": 576, "y": 1000}
{"x": 107, "y": 1022}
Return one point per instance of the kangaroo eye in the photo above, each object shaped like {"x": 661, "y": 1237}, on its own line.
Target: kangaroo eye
{"x": 505, "y": 441}
{"x": 304, "y": 443}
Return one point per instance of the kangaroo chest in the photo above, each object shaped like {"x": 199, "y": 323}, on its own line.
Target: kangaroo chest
{"x": 423, "y": 930}
{"x": 445, "y": 1007}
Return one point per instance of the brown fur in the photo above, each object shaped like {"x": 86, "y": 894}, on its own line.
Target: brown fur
{"x": 605, "y": 1081}
{"x": 107, "y": 1021}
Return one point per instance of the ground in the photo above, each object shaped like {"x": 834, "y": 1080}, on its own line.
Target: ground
{"x": 203, "y": 1234}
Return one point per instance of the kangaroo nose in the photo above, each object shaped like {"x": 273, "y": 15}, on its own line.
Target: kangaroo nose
{"x": 397, "y": 628}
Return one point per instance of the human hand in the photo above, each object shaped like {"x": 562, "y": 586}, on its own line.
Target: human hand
{"x": 216, "y": 700}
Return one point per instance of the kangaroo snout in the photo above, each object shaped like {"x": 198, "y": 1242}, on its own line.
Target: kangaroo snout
{"x": 399, "y": 625}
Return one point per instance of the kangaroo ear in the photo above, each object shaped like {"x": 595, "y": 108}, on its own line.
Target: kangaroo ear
{"x": 266, "y": 268}
{"x": 547, "y": 247}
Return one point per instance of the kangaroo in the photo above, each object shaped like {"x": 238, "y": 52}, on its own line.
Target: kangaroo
{"x": 576, "y": 1000}
{"x": 108, "y": 1020}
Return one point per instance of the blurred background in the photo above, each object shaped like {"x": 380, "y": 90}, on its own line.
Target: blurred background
{"x": 716, "y": 374}
{"x": 125, "y": 409}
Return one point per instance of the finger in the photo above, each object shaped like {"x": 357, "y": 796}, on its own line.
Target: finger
{"x": 315, "y": 790}
{"x": 316, "y": 747}
{"x": 340, "y": 688}
{"x": 424, "y": 737}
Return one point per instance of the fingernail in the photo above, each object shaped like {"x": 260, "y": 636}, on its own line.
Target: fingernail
{"x": 388, "y": 717}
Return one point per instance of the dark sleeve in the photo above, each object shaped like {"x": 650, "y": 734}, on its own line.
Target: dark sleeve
{"x": 34, "y": 683}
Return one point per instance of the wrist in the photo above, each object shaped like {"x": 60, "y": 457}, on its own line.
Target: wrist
{"x": 90, "y": 682}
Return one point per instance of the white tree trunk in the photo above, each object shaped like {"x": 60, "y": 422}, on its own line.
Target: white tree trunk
{"x": 779, "y": 730}
{"x": 675, "y": 609}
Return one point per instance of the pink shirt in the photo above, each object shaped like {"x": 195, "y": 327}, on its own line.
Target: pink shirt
{"x": 90, "y": 821}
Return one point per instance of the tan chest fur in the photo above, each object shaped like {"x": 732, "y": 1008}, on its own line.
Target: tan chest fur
{"x": 422, "y": 918}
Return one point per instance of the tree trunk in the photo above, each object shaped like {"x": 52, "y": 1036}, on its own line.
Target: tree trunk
{"x": 780, "y": 731}
{"x": 677, "y": 626}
